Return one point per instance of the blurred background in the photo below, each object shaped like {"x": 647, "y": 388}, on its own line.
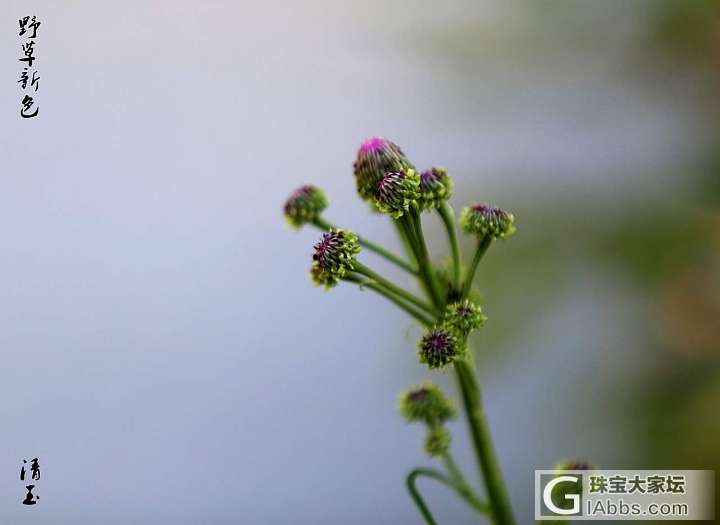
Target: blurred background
{"x": 165, "y": 355}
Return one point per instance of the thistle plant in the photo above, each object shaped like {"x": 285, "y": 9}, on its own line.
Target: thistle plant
{"x": 376, "y": 157}
{"x": 439, "y": 347}
{"x": 305, "y": 205}
{"x": 464, "y": 317}
{"x": 446, "y": 306}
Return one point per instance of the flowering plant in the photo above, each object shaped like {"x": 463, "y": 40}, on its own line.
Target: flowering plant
{"x": 447, "y": 308}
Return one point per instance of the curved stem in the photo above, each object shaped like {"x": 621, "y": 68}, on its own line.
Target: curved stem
{"x": 325, "y": 225}
{"x": 415, "y": 493}
{"x": 483, "y": 245}
{"x": 422, "y": 318}
{"x": 448, "y": 218}
{"x": 449, "y": 482}
{"x": 367, "y": 272}
{"x": 480, "y": 434}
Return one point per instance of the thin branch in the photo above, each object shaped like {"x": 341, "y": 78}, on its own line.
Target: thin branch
{"x": 483, "y": 245}
{"x": 367, "y": 272}
{"x": 448, "y": 219}
{"x": 419, "y": 316}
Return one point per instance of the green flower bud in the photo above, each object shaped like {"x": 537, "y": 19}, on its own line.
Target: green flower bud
{"x": 397, "y": 192}
{"x": 464, "y": 317}
{"x": 334, "y": 255}
{"x": 376, "y": 157}
{"x": 427, "y": 404}
{"x": 435, "y": 188}
{"x": 439, "y": 347}
{"x": 305, "y": 205}
{"x": 437, "y": 441}
{"x": 482, "y": 220}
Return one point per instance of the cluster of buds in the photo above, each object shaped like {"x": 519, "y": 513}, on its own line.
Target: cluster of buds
{"x": 447, "y": 341}
{"x": 385, "y": 177}
{"x": 425, "y": 403}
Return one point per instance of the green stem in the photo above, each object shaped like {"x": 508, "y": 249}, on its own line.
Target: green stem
{"x": 405, "y": 225}
{"x": 463, "y": 488}
{"x": 448, "y": 218}
{"x": 409, "y": 234}
{"x": 403, "y": 238}
{"x": 483, "y": 245}
{"x": 449, "y": 482}
{"x": 429, "y": 270}
{"x": 426, "y": 321}
{"x": 325, "y": 225}
{"x": 367, "y": 272}
{"x": 415, "y": 493}
{"x": 482, "y": 441}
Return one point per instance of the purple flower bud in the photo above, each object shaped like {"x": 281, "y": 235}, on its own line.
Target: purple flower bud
{"x": 435, "y": 188}
{"x": 334, "y": 255}
{"x": 376, "y": 157}
{"x": 439, "y": 347}
{"x": 483, "y": 219}
{"x": 304, "y": 205}
{"x": 397, "y": 192}
{"x": 426, "y": 403}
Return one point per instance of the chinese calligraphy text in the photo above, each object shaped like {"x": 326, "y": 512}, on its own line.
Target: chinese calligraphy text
{"x": 30, "y": 498}
{"x": 29, "y": 76}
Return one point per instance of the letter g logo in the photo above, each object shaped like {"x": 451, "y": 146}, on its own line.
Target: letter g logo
{"x": 575, "y": 498}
